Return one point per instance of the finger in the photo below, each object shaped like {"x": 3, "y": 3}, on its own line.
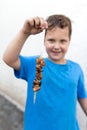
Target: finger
{"x": 40, "y": 23}
{"x": 37, "y": 21}
{"x": 43, "y": 23}
{"x": 31, "y": 22}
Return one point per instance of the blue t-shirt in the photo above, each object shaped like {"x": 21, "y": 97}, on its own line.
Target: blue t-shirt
{"x": 61, "y": 86}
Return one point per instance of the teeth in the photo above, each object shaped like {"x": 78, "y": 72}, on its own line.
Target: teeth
{"x": 57, "y": 52}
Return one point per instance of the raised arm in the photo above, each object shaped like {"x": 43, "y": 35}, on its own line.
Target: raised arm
{"x": 32, "y": 26}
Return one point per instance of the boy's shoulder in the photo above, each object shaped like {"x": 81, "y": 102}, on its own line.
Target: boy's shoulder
{"x": 29, "y": 58}
{"x": 74, "y": 64}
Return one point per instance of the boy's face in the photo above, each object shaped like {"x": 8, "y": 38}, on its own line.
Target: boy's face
{"x": 56, "y": 43}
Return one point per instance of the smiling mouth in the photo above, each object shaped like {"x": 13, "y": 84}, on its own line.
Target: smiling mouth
{"x": 56, "y": 52}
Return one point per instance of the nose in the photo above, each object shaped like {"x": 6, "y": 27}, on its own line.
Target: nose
{"x": 57, "y": 46}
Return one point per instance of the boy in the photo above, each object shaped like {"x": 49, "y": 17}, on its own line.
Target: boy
{"x": 62, "y": 81}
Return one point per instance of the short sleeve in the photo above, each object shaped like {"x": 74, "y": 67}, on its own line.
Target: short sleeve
{"x": 22, "y": 72}
{"x": 27, "y": 65}
{"x": 81, "y": 89}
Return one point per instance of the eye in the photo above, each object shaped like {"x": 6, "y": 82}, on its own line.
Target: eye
{"x": 63, "y": 41}
{"x": 51, "y": 40}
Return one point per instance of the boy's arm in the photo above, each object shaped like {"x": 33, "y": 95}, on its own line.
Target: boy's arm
{"x": 11, "y": 54}
{"x": 31, "y": 26}
{"x": 83, "y": 104}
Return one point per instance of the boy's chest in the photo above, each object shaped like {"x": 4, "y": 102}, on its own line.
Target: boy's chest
{"x": 59, "y": 79}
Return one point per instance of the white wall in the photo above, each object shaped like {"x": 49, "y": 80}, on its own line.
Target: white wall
{"x": 12, "y": 16}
